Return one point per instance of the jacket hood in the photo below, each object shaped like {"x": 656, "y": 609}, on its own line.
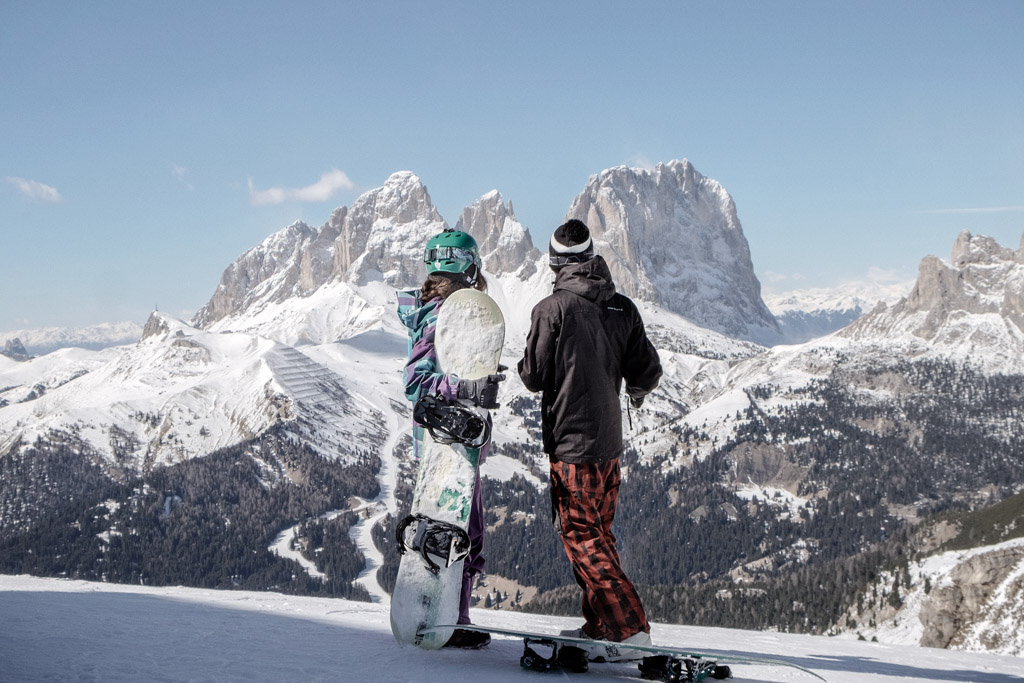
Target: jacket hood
{"x": 590, "y": 279}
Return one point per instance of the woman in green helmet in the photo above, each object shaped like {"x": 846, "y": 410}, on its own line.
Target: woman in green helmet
{"x": 453, "y": 263}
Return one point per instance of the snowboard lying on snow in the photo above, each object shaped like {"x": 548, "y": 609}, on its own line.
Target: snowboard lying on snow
{"x": 549, "y": 652}
{"x": 432, "y": 539}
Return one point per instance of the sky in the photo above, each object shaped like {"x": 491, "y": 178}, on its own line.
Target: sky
{"x": 145, "y": 146}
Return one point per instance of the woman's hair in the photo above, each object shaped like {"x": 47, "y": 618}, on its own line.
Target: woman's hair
{"x": 441, "y": 284}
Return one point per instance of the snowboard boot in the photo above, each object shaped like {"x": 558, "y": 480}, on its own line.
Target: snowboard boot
{"x": 620, "y": 652}
{"x": 468, "y": 640}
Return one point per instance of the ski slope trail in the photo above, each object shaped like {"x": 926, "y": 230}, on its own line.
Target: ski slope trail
{"x": 376, "y": 359}
{"x": 375, "y": 511}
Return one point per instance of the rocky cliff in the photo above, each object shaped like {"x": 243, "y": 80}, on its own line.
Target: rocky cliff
{"x": 672, "y": 237}
{"x": 973, "y": 303}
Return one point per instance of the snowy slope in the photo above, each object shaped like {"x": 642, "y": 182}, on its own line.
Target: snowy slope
{"x": 179, "y": 393}
{"x": 945, "y": 591}
{"x": 59, "y": 630}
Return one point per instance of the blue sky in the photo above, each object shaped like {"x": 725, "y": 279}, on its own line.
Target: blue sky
{"x": 141, "y": 143}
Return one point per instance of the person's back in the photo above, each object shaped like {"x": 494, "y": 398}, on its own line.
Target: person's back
{"x": 585, "y": 340}
{"x": 599, "y": 341}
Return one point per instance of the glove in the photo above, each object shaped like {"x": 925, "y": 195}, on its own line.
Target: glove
{"x": 483, "y": 392}
{"x": 636, "y": 401}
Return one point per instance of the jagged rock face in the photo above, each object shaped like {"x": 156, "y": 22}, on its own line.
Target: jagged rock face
{"x": 384, "y": 233}
{"x": 505, "y": 245}
{"x": 976, "y": 301}
{"x": 155, "y": 326}
{"x": 14, "y": 349}
{"x": 380, "y": 237}
{"x": 961, "y": 608}
{"x": 672, "y": 237}
{"x": 269, "y": 271}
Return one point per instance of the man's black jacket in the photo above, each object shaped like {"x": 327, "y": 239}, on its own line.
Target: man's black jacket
{"x": 585, "y": 340}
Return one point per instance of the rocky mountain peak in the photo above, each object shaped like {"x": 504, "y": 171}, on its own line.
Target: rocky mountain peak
{"x": 402, "y": 199}
{"x": 270, "y": 270}
{"x": 979, "y": 249}
{"x": 984, "y": 277}
{"x": 505, "y": 245}
{"x": 975, "y": 303}
{"x": 672, "y": 237}
{"x": 156, "y": 325}
{"x": 14, "y": 349}
{"x": 383, "y": 235}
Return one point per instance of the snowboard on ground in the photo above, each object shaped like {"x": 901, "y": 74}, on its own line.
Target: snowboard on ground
{"x": 433, "y": 538}
{"x": 550, "y": 652}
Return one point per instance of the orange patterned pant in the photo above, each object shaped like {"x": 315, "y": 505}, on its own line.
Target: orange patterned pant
{"x": 585, "y": 497}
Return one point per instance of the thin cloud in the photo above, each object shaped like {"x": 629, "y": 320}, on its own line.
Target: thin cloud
{"x": 35, "y": 190}
{"x": 986, "y": 209}
{"x": 181, "y": 173}
{"x": 775, "y": 277}
{"x": 330, "y": 183}
{"x": 641, "y": 161}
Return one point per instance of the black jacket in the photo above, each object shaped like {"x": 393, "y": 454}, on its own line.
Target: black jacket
{"x": 584, "y": 340}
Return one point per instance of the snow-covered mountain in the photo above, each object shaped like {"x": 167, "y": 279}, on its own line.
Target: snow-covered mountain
{"x": 43, "y": 340}
{"x": 361, "y": 255}
{"x": 806, "y": 314}
{"x": 672, "y": 237}
{"x": 971, "y": 308}
{"x": 967, "y": 311}
{"x": 178, "y": 393}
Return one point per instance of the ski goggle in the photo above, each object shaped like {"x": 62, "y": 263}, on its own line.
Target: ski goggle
{"x": 559, "y": 260}
{"x": 449, "y": 254}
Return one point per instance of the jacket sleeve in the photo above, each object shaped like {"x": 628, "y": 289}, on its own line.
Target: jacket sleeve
{"x": 423, "y": 376}
{"x": 642, "y": 369}
{"x": 537, "y": 367}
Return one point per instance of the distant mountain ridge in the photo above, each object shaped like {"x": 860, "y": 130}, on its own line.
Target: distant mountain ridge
{"x": 43, "y": 340}
{"x": 806, "y": 314}
{"x": 671, "y": 237}
{"x": 972, "y": 306}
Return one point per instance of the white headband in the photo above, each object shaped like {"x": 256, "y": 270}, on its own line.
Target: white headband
{"x": 564, "y": 249}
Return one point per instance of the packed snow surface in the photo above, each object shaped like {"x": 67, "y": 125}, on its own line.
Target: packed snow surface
{"x": 72, "y": 630}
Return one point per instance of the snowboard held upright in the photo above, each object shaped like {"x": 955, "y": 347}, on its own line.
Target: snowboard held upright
{"x": 433, "y": 538}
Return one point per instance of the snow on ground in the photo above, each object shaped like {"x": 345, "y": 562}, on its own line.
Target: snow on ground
{"x": 771, "y": 495}
{"x": 60, "y": 630}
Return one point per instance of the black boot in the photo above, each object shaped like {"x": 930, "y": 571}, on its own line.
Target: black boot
{"x": 468, "y": 640}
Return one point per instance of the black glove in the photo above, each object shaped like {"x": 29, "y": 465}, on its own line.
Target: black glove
{"x": 636, "y": 401}
{"x": 483, "y": 392}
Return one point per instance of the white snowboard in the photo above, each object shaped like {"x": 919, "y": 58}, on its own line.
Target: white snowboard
{"x": 468, "y": 338}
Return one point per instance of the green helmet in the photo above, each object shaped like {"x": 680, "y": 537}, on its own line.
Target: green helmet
{"x": 452, "y": 251}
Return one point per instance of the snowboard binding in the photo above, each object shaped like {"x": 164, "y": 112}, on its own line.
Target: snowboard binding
{"x": 676, "y": 670}
{"x": 564, "y": 657}
{"x": 454, "y": 422}
{"x": 446, "y": 542}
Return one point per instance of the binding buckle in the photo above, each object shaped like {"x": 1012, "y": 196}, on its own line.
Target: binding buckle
{"x": 447, "y": 542}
